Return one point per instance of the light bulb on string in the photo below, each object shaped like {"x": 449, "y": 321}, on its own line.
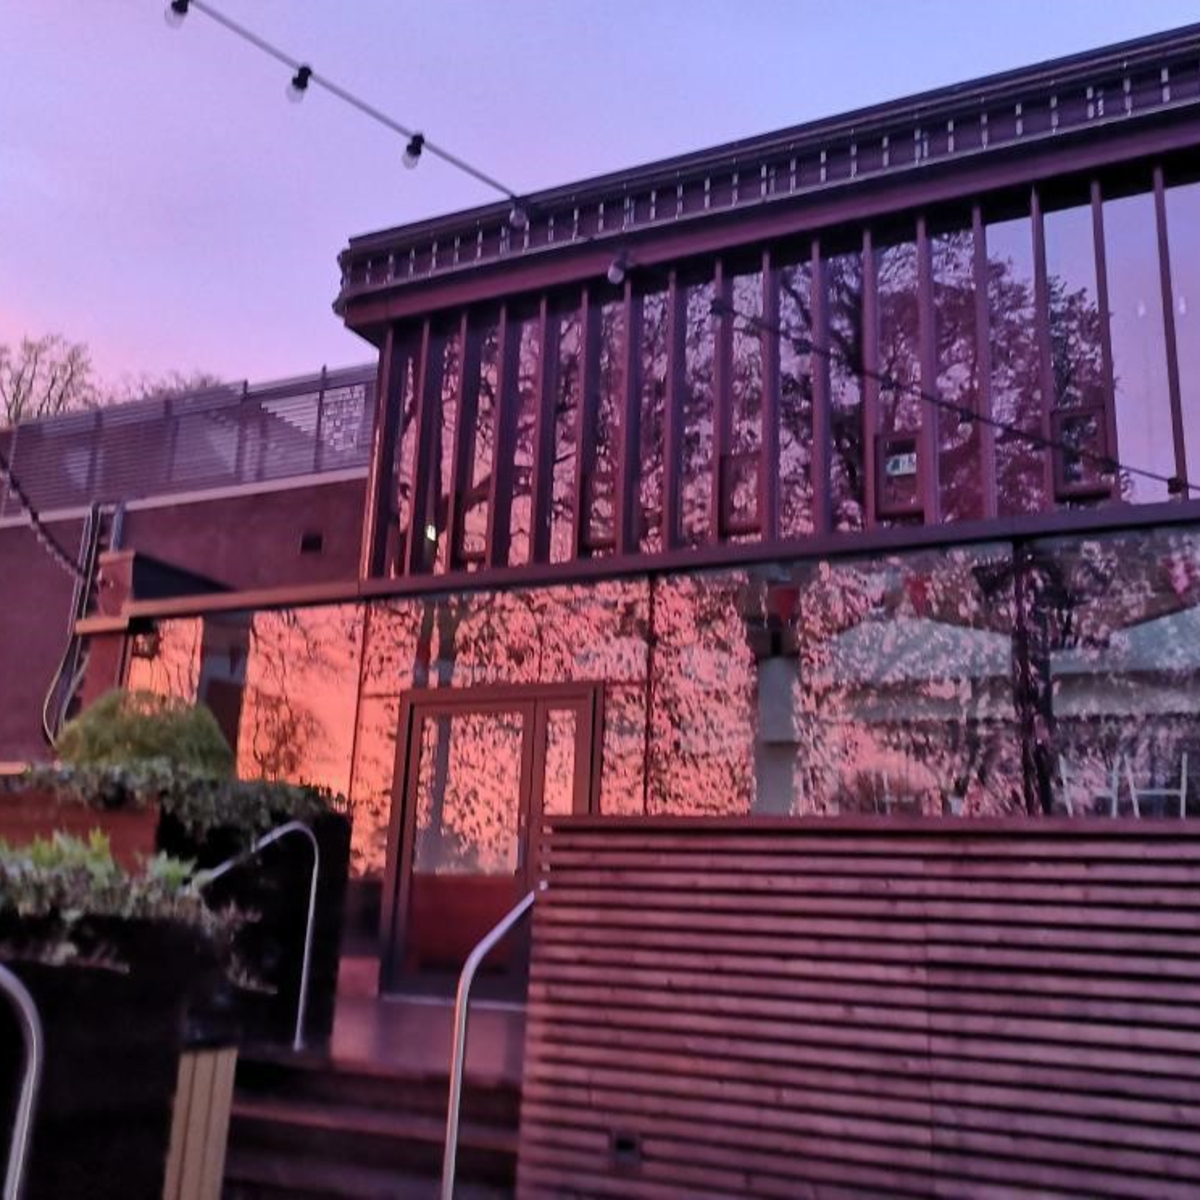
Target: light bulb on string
{"x": 298, "y": 84}
{"x": 174, "y": 13}
{"x": 412, "y": 152}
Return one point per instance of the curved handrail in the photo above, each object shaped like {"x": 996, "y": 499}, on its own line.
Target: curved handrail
{"x": 207, "y": 877}
{"x": 31, "y": 1032}
{"x": 458, "y": 1053}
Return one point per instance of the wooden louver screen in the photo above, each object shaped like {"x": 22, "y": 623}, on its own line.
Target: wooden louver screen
{"x": 838, "y": 1009}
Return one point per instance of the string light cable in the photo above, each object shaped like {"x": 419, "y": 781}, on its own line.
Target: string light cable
{"x": 54, "y": 548}
{"x": 304, "y": 76}
{"x": 1107, "y": 464}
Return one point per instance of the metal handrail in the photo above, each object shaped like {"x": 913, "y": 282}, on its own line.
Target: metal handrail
{"x": 31, "y": 1032}
{"x": 458, "y": 1054}
{"x": 207, "y": 877}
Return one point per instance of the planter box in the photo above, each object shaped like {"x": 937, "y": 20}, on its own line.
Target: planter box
{"x": 275, "y": 889}
{"x": 113, "y": 1041}
{"x": 27, "y": 815}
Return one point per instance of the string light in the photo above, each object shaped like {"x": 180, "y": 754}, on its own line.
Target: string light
{"x": 299, "y": 84}
{"x": 416, "y": 142}
{"x": 1107, "y": 464}
{"x": 617, "y": 268}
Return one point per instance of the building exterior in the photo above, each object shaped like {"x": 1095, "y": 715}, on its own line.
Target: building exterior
{"x": 852, "y": 469}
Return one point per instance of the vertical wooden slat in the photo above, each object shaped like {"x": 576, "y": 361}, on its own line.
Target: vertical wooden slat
{"x": 932, "y": 416}
{"x": 220, "y": 1109}
{"x": 986, "y": 438}
{"x": 466, "y": 416}
{"x": 389, "y": 392}
{"x": 585, "y": 428}
{"x": 722, "y": 396}
{"x": 180, "y": 1118}
{"x": 505, "y": 441}
{"x": 1106, "y": 351}
{"x": 673, "y": 415}
{"x": 870, "y": 378}
{"x": 822, "y": 449}
{"x": 769, "y": 464}
{"x": 1041, "y": 289}
{"x": 1168, "y": 303}
{"x": 192, "y": 1175}
{"x": 546, "y": 432}
{"x": 626, "y": 508}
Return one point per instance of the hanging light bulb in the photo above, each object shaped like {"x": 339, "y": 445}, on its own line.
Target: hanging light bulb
{"x": 412, "y": 152}
{"x": 299, "y": 84}
{"x": 518, "y": 218}
{"x": 175, "y": 12}
{"x": 617, "y": 269}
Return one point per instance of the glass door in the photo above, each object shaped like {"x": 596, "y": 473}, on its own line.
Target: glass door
{"x": 480, "y": 767}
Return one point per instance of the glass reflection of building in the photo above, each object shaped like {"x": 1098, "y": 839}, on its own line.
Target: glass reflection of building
{"x": 839, "y": 517}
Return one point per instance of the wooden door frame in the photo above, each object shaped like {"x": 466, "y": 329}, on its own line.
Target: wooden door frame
{"x": 416, "y": 704}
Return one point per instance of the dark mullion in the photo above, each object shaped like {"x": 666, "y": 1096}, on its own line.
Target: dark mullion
{"x": 983, "y": 368}
{"x": 722, "y": 384}
{"x": 428, "y": 395}
{"x": 626, "y": 508}
{"x": 464, "y": 440}
{"x": 543, "y": 460}
{"x": 1041, "y": 290}
{"x": 585, "y": 427}
{"x": 673, "y": 416}
{"x": 1110, "y": 391}
{"x": 822, "y": 451}
{"x": 870, "y": 378}
{"x": 931, "y": 414}
{"x": 768, "y": 461}
{"x": 377, "y": 514}
{"x": 1168, "y": 303}
{"x": 504, "y": 441}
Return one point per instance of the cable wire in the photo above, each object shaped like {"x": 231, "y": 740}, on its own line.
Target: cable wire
{"x": 1107, "y": 463}
{"x": 347, "y": 97}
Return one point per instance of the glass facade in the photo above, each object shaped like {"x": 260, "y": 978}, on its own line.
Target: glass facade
{"x": 1060, "y": 675}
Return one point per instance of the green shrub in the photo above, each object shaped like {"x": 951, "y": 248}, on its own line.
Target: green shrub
{"x": 54, "y": 886}
{"x": 126, "y": 728}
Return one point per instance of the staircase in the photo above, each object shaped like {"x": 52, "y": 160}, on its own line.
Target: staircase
{"x": 309, "y": 1127}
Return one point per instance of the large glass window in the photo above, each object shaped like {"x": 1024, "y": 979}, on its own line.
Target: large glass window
{"x": 1183, "y": 228}
{"x": 960, "y": 479}
{"x": 480, "y": 452}
{"x": 795, "y": 400}
{"x": 844, "y": 283}
{"x": 441, "y": 457}
{"x": 610, "y": 392}
{"x": 699, "y": 414}
{"x": 652, "y": 429}
{"x": 740, "y": 473}
{"x": 1115, "y": 639}
{"x": 566, "y": 418}
{"x": 529, "y": 350}
{"x": 1016, "y": 368}
{"x": 1139, "y": 350}
{"x": 404, "y": 464}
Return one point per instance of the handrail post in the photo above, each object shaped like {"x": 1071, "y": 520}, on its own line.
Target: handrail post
{"x": 267, "y": 839}
{"x": 458, "y": 1053}
{"x": 31, "y": 1033}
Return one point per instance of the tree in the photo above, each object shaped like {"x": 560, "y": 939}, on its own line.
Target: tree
{"x": 45, "y": 376}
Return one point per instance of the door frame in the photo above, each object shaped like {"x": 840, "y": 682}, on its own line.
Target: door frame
{"x": 533, "y": 698}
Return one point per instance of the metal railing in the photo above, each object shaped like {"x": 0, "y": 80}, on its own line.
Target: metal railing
{"x": 31, "y": 1033}
{"x": 458, "y": 1053}
{"x": 267, "y": 839}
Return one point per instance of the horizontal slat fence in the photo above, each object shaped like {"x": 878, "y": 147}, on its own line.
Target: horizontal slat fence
{"x": 812, "y": 1009}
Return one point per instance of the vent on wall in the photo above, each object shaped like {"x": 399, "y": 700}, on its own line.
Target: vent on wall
{"x": 312, "y": 542}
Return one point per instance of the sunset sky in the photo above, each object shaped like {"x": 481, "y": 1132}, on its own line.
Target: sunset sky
{"x": 161, "y": 201}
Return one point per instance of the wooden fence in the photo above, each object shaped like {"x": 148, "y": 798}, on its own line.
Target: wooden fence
{"x": 812, "y": 1009}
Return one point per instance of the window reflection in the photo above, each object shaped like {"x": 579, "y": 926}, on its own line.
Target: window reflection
{"x": 602, "y": 475}
{"x": 1117, "y": 646}
{"x": 480, "y": 456}
{"x": 521, "y": 513}
{"x": 795, "y": 400}
{"x": 740, "y": 472}
{"x": 844, "y": 281}
{"x": 960, "y": 479}
{"x": 699, "y": 414}
{"x": 404, "y": 465}
{"x": 1016, "y": 368}
{"x": 1143, "y": 400}
{"x": 1183, "y": 228}
{"x": 566, "y": 415}
{"x": 652, "y": 429}
{"x": 165, "y": 660}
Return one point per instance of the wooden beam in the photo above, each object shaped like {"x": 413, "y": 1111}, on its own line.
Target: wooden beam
{"x": 768, "y": 464}
{"x": 504, "y": 442}
{"x": 542, "y": 489}
{"x": 1168, "y": 303}
{"x": 467, "y": 413}
{"x": 870, "y": 378}
{"x": 429, "y": 398}
{"x": 986, "y": 436}
{"x": 585, "y": 428}
{"x": 381, "y": 482}
{"x": 626, "y": 508}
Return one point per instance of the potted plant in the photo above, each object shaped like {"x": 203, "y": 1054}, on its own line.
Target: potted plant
{"x": 116, "y": 962}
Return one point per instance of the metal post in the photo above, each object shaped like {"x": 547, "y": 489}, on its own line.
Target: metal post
{"x": 458, "y": 1053}
{"x": 224, "y": 868}
{"x": 31, "y": 1033}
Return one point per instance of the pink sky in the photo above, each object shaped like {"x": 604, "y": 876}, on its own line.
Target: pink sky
{"x": 161, "y": 201}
